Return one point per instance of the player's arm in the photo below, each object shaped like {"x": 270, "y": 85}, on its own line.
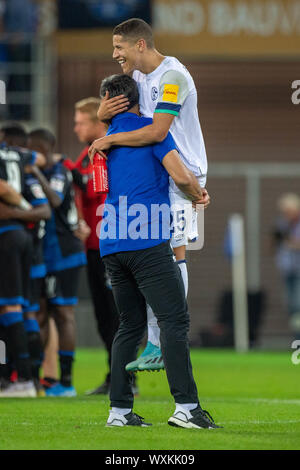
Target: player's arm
{"x": 151, "y": 134}
{"x": 40, "y": 160}
{"x": 184, "y": 179}
{"x": 53, "y": 197}
{"x": 173, "y": 90}
{"x": 35, "y": 214}
{"x": 9, "y": 195}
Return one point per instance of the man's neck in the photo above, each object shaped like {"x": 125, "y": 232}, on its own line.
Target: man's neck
{"x": 135, "y": 110}
{"x": 49, "y": 162}
{"x": 151, "y": 61}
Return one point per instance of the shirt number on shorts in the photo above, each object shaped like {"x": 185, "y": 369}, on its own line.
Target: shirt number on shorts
{"x": 179, "y": 224}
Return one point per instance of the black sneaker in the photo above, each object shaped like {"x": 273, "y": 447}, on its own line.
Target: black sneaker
{"x": 200, "y": 419}
{"x": 103, "y": 389}
{"x": 131, "y": 419}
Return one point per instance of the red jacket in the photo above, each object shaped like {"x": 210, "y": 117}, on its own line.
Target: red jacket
{"x": 87, "y": 200}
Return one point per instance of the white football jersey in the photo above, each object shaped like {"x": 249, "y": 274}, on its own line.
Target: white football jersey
{"x": 170, "y": 89}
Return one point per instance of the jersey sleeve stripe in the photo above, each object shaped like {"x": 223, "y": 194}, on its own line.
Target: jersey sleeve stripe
{"x": 33, "y": 158}
{"x": 38, "y": 202}
{"x": 166, "y": 111}
{"x": 168, "y": 106}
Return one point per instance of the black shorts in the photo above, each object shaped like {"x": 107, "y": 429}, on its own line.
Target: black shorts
{"x": 61, "y": 287}
{"x": 35, "y": 294}
{"x": 15, "y": 261}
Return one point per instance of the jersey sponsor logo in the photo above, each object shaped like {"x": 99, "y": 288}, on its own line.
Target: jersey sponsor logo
{"x": 37, "y": 191}
{"x": 154, "y": 93}
{"x": 57, "y": 185}
{"x": 170, "y": 93}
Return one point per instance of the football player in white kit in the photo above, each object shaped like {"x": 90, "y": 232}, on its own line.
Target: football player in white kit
{"x": 168, "y": 95}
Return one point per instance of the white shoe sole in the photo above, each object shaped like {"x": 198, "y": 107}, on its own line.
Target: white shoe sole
{"x": 173, "y": 421}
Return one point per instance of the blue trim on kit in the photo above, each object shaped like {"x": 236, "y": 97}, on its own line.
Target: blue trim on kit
{"x": 31, "y": 308}
{"x": 9, "y": 228}
{"x": 64, "y": 300}
{"x": 38, "y": 271}
{"x": 168, "y": 106}
{"x": 66, "y": 353}
{"x": 31, "y": 325}
{"x": 38, "y": 202}
{"x": 11, "y": 318}
{"x": 14, "y": 301}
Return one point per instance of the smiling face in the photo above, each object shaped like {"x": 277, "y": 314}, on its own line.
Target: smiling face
{"x": 127, "y": 53}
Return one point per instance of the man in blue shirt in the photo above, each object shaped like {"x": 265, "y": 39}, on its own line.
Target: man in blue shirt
{"x": 134, "y": 244}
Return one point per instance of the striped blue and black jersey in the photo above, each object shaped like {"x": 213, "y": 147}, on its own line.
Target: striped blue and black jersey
{"x": 36, "y": 196}
{"x": 13, "y": 161}
{"x": 62, "y": 249}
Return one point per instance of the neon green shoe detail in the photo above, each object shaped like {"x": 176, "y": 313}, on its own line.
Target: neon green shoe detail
{"x": 150, "y": 359}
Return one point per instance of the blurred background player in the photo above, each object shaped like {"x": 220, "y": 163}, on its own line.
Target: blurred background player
{"x": 16, "y": 135}
{"x": 15, "y": 262}
{"x": 87, "y": 127}
{"x": 168, "y": 94}
{"x": 64, "y": 256}
{"x": 286, "y": 236}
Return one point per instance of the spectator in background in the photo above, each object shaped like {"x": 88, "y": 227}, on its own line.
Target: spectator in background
{"x": 286, "y": 236}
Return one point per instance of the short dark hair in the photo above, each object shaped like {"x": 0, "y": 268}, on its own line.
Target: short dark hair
{"x": 14, "y": 134}
{"x": 135, "y": 29}
{"x": 44, "y": 135}
{"x": 120, "y": 85}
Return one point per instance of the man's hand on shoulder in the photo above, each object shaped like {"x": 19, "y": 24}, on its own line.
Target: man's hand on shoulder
{"x": 98, "y": 146}
{"x": 109, "y": 107}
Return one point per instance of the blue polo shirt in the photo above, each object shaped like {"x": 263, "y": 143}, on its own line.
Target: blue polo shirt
{"x": 137, "y": 208}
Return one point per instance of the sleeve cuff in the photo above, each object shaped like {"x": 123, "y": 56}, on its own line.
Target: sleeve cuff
{"x": 168, "y": 108}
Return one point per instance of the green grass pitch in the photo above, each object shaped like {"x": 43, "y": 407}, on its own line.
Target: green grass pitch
{"x": 255, "y": 396}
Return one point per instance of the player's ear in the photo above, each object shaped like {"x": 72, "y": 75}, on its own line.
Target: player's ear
{"x": 141, "y": 45}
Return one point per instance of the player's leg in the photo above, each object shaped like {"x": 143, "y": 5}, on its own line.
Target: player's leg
{"x": 63, "y": 301}
{"x": 49, "y": 366}
{"x": 181, "y": 210}
{"x": 105, "y": 310}
{"x": 35, "y": 346}
{"x": 132, "y": 309}
{"x": 15, "y": 259}
{"x": 160, "y": 282}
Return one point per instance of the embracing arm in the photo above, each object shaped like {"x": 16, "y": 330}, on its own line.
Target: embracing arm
{"x": 153, "y": 133}
{"x": 34, "y": 214}
{"x": 184, "y": 179}
{"x": 53, "y": 198}
{"x": 9, "y": 195}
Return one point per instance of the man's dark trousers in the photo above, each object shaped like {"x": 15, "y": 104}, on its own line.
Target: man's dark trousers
{"x": 150, "y": 276}
{"x": 104, "y": 306}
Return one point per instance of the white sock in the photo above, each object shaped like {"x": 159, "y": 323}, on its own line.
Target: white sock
{"x": 184, "y": 274}
{"x": 121, "y": 411}
{"x": 186, "y": 408}
{"x": 153, "y": 328}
